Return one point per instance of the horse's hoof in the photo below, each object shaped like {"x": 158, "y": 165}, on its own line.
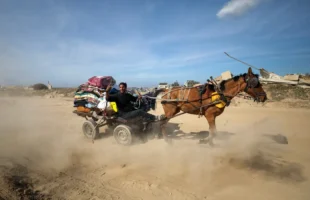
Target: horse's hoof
{"x": 144, "y": 140}
{"x": 203, "y": 142}
{"x": 168, "y": 140}
{"x": 206, "y": 141}
{"x": 158, "y": 137}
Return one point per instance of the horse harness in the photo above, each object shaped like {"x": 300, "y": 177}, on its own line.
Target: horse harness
{"x": 185, "y": 91}
{"x": 254, "y": 83}
{"x": 250, "y": 83}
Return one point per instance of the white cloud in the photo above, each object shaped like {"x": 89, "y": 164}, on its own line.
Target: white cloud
{"x": 237, "y": 7}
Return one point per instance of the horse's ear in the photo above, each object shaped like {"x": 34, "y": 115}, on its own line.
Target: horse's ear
{"x": 250, "y": 73}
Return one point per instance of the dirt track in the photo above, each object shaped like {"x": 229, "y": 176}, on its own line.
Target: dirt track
{"x": 43, "y": 155}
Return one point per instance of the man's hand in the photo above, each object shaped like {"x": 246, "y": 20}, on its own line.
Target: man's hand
{"x": 109, "y": 88}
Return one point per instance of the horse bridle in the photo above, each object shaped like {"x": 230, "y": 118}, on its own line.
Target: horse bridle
{"x": 253, "y": 83}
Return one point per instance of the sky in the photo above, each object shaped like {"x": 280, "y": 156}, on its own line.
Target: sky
{"x": 144, "y": 42}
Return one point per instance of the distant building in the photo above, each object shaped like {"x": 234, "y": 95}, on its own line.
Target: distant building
{"x": 49, "y": 86}
{"x": 224, "y": 76}
{"x": 190, "y": 83}
{"x": 163, "y": 86}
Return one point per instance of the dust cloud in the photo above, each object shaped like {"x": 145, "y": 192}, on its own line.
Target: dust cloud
{"x": 41, "y": 143}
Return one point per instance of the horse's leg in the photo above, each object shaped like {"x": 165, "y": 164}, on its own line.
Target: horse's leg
{"x": 210, "y": 116}
{"x": 159, "y": 134}
{"x": 163, "y": 128}
{"x": 170, "y": 111}
{"x": 212, "y": 128}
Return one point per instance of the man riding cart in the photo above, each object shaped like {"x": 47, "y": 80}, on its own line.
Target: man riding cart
{"x": 126, "y": 110}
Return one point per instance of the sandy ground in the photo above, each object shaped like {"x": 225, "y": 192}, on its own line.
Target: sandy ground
{"x": 44, "y": 155}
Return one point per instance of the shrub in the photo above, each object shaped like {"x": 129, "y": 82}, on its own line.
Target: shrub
{"x": 39, "y": 86}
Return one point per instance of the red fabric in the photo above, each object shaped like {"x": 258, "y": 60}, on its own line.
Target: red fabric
{"x": 101, "y": 81}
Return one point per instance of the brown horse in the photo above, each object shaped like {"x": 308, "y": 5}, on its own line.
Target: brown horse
{"x": 200, "y": 100}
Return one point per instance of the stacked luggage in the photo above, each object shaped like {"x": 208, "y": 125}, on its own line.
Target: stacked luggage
{"x": 92, "y": 93}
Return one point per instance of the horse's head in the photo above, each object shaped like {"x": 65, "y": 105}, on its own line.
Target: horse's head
{"x": 248, "y": 83}
{"x": 253, "y": 87}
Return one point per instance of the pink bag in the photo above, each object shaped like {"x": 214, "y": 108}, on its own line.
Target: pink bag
{"x": 101, "y": 81}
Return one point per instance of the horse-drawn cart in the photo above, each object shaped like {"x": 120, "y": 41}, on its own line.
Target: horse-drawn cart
{"x": 209, "y": 100}
{"x": 124, "y": 131}
{"x": 90, "y": 103}
{"x": 103, "y": 113}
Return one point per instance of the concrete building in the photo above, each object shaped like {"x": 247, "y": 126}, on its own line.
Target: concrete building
{"x": 163, "y": 85}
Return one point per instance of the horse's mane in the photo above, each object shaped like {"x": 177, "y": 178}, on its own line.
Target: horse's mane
{"x": 235, "y": 78}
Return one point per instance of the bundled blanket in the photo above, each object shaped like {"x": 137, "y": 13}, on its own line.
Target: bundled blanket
{"x": 91, "y": 93}
{"x": 86, "y": 99}
{"x": 90, "y": 89}
{"x": 90, "y": 98}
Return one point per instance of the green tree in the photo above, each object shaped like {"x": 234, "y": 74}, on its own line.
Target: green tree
{"x": 191, "y": 83}
{"x": 176, "y": 83}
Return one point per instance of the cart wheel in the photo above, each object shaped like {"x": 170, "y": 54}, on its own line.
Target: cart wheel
{"x": 90, "y": 130}
{"x": 123, "y": 135}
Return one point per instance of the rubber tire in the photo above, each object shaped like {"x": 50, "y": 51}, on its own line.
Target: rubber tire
{"x": 91, "y": 124}
{"x": 125, "y": 129}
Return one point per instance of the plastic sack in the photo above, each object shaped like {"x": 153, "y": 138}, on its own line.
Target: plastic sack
{"x": 104, "y": 104}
